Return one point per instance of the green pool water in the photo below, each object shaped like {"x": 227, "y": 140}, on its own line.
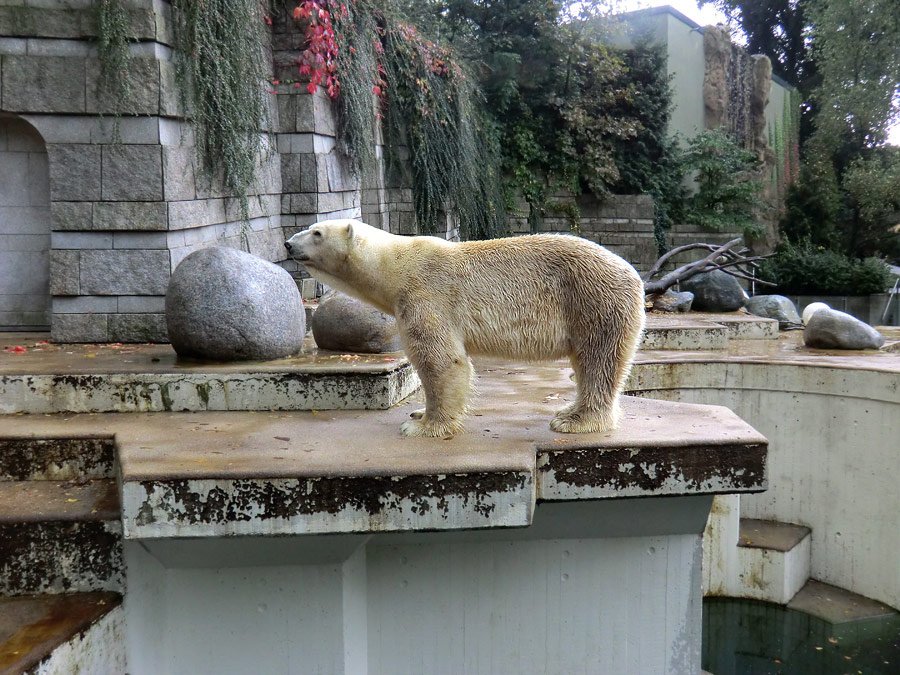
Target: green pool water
{"x": 746, "y": 637}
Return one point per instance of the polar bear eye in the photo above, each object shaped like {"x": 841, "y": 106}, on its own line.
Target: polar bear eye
{"x": 317, "y": 233}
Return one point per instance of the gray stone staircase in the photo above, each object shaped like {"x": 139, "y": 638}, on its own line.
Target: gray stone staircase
{"x": 61, "y": 569}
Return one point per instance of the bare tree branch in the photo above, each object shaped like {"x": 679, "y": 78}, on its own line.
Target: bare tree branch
{"x": 735, "y": 263}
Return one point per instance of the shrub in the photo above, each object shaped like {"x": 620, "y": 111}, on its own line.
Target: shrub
{"x": 727, "y": 180}
{"x": 805, "y": 269}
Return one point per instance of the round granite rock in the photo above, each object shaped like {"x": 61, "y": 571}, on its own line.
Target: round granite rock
{"x": 673, "y": 301}
{"x": 774, "y": 307}
{"x": 715, "y": 291}
{"x": 227, "y": 305}
{"x": 831, "y": 329}
{"x": 342, "y": 323}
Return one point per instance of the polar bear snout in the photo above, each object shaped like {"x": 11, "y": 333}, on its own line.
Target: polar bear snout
{"x": 295, "y": 249}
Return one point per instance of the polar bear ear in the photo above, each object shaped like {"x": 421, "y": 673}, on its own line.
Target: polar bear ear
{"x": 349, "y": 231}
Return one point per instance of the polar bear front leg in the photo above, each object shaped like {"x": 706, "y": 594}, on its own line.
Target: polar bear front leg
{"x": 446, "y": 374}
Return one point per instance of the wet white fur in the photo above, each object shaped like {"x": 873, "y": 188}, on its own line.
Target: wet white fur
{"x": 534, "y": 298}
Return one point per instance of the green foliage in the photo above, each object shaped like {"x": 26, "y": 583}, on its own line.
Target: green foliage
{"x": 431, "y": 108}
{"x": 113, "y": 37}
{"x": 649, "y": 162}
{"x": 807, "y": 269}
{"x": 727, "y": 185}
{"x": 220, "y": 67}
{"x": 872, "y": 185}
{"x": 855, "y": 48}
{"x": 553, "y": 89}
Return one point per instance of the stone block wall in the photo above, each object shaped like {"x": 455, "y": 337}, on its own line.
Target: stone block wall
{"x": 128, "y": 198}
{"x": 317, "y": 183}
{"x": 622, "y": 223}
{"x": 24, "y": 227}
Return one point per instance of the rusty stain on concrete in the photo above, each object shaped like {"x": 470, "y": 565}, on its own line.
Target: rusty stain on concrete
{"x": 32, "y": 627}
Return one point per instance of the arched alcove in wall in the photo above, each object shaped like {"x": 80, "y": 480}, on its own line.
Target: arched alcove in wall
{"x": 24, "y": 227}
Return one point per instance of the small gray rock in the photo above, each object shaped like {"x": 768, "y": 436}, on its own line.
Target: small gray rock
{"x": 673, "y": 301}
{"x": 831, "y": 329}
{"x": 774, "y": 307}
{"x": 715, "y": 291}
{"x": 342, "y": 323}
{"x": 226, "y": 305}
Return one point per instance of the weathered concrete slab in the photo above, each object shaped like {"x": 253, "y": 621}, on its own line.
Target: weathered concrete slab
{"x": 702, "y": 330}
{"x": 836, "y": 605}
{"x": 33, "y": 459}
{"x": 769, "y": 534}
{"x": 38, "y": 501}
{"x": 218, "y": 474}
{"x": 51, "y": 378}
{"x": 682, "y": 331}
{"x": 31, "y": 628}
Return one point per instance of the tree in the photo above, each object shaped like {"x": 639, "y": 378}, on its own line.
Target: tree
{"x": 727, "y": 185}
{"x": 554, "y": 90}
{"x": 856, "y": 46}
{"x": 777, "y": 29}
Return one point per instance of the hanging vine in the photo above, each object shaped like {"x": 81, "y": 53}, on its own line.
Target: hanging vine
{"x": 113, "y": 38}
{"x": 220, "y": 67}
{"x": 386, "y": 77}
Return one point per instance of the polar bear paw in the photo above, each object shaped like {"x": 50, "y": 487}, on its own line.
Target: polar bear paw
{"x": 567, "y": 421}
{"x": 425, "y": 428}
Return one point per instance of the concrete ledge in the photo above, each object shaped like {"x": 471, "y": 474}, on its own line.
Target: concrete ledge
{"x": 698, "y": 330}
{"x": 222, "y": 474}
{"x": 150, "y": 378}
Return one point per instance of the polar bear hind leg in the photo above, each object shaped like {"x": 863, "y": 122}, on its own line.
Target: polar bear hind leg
{"x": 602, "y": 362}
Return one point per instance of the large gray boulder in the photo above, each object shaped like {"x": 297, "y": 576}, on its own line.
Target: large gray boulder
{"x": 831, "y": 329}
{"x": 226, "y": 305}
{"x": 342, "y": 323}
{"x": 715, "y": 291}
{"x": 673, "y": 301}
{"x": 774, "y": 307}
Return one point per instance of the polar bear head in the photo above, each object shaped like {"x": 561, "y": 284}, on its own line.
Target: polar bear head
{"x": 324, "y": 246}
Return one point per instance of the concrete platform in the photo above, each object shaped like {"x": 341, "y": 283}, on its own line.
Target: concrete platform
{"x": 770, "y": 535}
{"x": 773, "y": 560}
{"x": 221, "y": 474}
{"x": 49, "y": 378}
{"x": 704, "y": 330}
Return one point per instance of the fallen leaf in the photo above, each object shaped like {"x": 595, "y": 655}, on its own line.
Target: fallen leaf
{"x": 18, "y": 349}
{"x": 833, "y": 640}
{"x": 71, "y": 500}
{"x": 282, "y": 438}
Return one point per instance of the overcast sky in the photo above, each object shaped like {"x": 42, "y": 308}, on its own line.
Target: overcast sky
{"x": 705, "y": 16}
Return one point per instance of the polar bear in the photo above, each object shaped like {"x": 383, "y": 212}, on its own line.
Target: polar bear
{"x": 536, "y": 297}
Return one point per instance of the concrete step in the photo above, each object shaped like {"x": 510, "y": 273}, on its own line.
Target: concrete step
{"x": 67, "y": 378}
{"x": 701, "y": 330}
{"x": 59, "y": 459}
{"x": 60, "y": 537}
{"x": 773, "y": 560}
{"x": 72, "y": 633}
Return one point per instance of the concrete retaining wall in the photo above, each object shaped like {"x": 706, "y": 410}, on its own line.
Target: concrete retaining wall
{"x": 833, "y": 434}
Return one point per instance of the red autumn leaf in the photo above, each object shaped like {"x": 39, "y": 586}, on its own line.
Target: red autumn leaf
{"x": 376, "y": 90}
{"x": 311, "y": 88}
{"x": 18, "y": 349}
